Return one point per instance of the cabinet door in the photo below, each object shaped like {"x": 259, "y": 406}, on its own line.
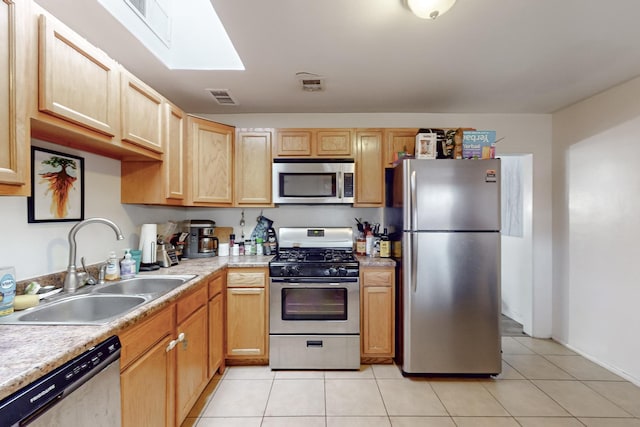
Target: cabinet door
{"x": 147, "y": 388}
{"x": 246, "y": 322}
{"x": 78, "y": 82}
{"x": 293, "y": 143}
{"x": 398, "y": 140}
{"x": 216, "y": 335}
{"x": 15, "y": 46}
{"x": 334, "y": 143}
{"x": 142, "y": 111}
{"x": 369, "y": 170}
{"x": 191, "y": 361}
{"x": 252, "y": 160}
{"x": 174, "y": 168}
{"x": 378, "y": 312}
{"x": 378, "y": 321}
{"x": 210, "y": 162}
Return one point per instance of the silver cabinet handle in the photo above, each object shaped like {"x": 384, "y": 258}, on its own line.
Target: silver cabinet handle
{"x": 171, "y": 345}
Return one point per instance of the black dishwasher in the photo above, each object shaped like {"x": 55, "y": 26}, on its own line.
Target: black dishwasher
{"x": 85, "y": 388}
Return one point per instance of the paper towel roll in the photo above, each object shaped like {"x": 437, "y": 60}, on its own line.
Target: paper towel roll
{"x": 148, "y": 236}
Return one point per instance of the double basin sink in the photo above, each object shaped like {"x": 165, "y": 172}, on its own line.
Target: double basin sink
{"x": 98, "y": 304}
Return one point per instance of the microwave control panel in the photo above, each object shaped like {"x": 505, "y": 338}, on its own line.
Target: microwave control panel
{"x": 348, "y": 185}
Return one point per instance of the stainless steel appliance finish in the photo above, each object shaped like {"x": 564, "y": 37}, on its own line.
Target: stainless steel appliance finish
{"x": 313, "y": 181}
{"x": 314, "y": 300}
{"x": 449, "y": 214}
{"x": 84, "y": 391}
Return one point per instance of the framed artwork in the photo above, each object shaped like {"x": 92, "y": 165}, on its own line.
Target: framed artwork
{"x": 57, "y": 187}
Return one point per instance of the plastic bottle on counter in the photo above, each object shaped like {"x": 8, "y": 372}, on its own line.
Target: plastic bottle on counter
{"x": 241, "y": 248}
{"x": 127, "y": 266}
{"x": 369, "y": 243}
{"x": 112, "y": 272}
{"x": 259, "y": 247}
{"x": 232, "y": 240}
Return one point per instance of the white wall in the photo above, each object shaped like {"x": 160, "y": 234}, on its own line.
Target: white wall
{"x": 42, "y": 248}
{"x": 523, "y": 134}
{"x": 596, "y": 224}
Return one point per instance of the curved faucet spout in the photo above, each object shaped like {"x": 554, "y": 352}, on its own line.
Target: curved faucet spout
{"x": 71, "y": 280}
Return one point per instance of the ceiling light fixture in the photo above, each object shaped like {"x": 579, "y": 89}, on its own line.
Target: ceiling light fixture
{"x": 430, "y": 9}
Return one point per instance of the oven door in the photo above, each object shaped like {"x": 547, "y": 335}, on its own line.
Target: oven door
{"x": 314, "y": 306}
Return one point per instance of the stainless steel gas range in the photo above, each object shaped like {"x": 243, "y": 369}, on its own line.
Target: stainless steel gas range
{"x": 314, "y": 320}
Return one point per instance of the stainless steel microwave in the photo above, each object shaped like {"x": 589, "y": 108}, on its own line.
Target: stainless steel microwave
{"x": 313, "y": 181}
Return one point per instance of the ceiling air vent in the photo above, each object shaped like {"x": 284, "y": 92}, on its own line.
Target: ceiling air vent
{"x": 222, "y": 96}
{"x": 310, "y": 82}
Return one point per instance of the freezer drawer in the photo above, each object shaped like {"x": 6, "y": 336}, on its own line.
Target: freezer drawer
{"x": 451, "y": 298}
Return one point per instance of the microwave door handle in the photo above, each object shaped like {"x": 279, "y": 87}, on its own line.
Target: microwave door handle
{"x": 341, "y": 185}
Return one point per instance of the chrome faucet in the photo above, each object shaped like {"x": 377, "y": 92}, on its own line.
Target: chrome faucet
{"x": 72, "y": 281}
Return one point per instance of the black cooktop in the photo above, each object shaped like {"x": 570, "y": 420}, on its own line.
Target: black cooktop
{"x": 314, "y": 262}
{"x": 296, "y": 255}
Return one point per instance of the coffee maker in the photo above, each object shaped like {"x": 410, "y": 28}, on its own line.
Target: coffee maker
{"x": 200, "y": 241}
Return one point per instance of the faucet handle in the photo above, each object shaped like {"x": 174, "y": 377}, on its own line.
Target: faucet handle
{"x": 90, "y": 280}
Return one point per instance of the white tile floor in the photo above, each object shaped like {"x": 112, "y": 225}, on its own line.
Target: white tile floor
{"x": 542, "y": 384}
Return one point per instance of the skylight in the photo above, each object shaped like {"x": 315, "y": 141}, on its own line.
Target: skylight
{"x": 183, "y": 38}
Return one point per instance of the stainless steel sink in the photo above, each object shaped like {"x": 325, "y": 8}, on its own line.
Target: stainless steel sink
{"x": 96, "y": 305}
{"x": 154, "y": 285}
{"x": 86, "y": 309}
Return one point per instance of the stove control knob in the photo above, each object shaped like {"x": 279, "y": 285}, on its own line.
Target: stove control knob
{"x": 284, "y": 271}
{"x": 294, "y": 270}
{"x": 342, "y": 271}
{"x": 332, "y": 271}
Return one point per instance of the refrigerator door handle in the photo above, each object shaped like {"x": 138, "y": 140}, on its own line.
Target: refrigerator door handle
{"x": 413, "y": 203}
{"x": 413, "y": 263}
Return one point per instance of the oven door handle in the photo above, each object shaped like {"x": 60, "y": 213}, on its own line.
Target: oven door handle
{"x": 322, "y": 281}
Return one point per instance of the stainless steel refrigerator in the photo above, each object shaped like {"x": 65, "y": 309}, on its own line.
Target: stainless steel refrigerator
{"x": 448, "y": 215}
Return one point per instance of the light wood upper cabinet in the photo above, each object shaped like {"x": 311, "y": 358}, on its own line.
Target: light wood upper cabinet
{"x": 142, "y": 112}
{"x": 210, "y": 160}
{"x": 174, "y": 157}
{"x": 330, "y": 143}
{"x": 378, "y": 311}
{"x": 369, "y": 169}
{"x": 159, "y": 182}
{"x": 252, "y": 184}
{"x": 78, "y": 82}
{"x": 16, "y": 47}
{"x": 334, "y": 143}
{"x": 398, "y": 140}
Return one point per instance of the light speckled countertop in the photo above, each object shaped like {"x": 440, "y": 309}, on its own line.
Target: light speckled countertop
{"x": 30, "y": 351}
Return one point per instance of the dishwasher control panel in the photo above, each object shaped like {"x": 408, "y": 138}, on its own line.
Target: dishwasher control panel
{"x": 36, "y": 398}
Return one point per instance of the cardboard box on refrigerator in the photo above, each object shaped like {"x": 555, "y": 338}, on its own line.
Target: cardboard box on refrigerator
{"x": 479, "y": 144}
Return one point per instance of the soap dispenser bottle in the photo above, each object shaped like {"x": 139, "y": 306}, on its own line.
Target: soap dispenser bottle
{"x": 127, "y": 266}
{"x": 112, "y": 272}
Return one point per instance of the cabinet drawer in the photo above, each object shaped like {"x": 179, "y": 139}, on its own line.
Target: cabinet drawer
{"x": 190, "y": 303}
{"x": 137, "y": 340}
{"x": 378, "y": 277}
{"x": 243, "y": 279}
{"x": 215, "y": 285}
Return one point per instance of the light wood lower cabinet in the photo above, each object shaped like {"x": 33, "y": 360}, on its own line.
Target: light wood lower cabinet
{"x": 147, "y": 378}
{"x": 378, "y": 312}
{"x": 247, "y": 311}
{"x": 166, "y": 359}
{"x": 217, "y": 287}
{"x": 192, "y": 359}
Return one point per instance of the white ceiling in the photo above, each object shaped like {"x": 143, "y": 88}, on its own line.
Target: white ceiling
{"x": 483, "y": 56}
